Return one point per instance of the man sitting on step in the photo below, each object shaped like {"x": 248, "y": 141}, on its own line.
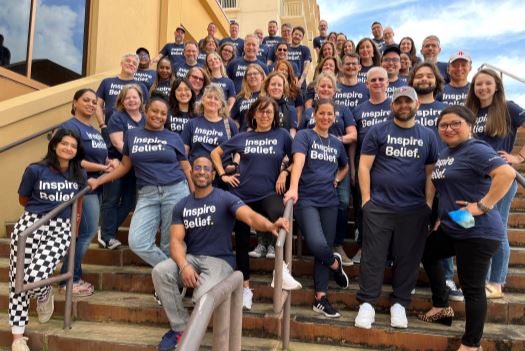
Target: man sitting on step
{"x": 201, "y": 251}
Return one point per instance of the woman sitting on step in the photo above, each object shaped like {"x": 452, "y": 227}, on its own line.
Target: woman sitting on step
{"x": 44, "y": 186}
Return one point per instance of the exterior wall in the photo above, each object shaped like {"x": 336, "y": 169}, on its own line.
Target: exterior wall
{"x": 13, "y": 84}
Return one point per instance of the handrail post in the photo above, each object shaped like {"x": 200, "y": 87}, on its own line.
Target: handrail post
{"x": 236, "y": 318}
{"x": 70, "y": 264}
{"x": 221, "y": 327}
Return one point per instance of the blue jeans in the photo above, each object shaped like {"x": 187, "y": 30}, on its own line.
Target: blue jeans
{"x": 343, "y": 194}
{"x": 154, "y": 207}
{"x": 86, "y": 232}
{"x": 499, "y": 264}
{"x": 318, "y": 227}
{"x": 118, "y": 200}
{"x": 448, "y": 267}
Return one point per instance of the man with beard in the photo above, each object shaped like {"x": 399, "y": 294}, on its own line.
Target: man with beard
{"x": 272, "y": 39}
{"x": 323, "y": 35}
{"x": 430, "y": 50}
{"x": 455, "y": 92}
{"x": 191, "y": 52}
{"x": 350, "y": 92}
{"x": 144, "y": 74}
{"x": 174, "y": 50}
{"x": 234, "y": 38}
{"x": 427, "y": 82}
{"x": 237, "y": 68}
{"x": 300, "y": 55}
{"x": 201, "y": 251}
{"x": 396, "y": 164}
{"x": 377, "y": 35}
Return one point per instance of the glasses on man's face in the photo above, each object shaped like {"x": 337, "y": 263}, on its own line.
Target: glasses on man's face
{"x": 391, "y": 59}
{"x": 200, "y": 79}
{"x": 143, "y": 55}
{"x": 453, "y": 125}
{"x": 199, "y": 168}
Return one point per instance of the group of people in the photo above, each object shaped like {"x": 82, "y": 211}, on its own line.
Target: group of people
{"x": 222, "y": 134}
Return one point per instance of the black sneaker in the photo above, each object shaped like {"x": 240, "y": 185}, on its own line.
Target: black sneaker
{"x": 340, "y": 276}
{"x": 324, "y": 307}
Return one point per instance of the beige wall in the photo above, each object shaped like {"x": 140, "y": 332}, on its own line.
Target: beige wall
{"x": 13, "y": 84}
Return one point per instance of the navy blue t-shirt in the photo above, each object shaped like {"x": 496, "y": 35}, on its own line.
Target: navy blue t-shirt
{"x": 299, "y": 55}
{"x": 454, "y": 96}
{"x": 324, "y": 156}
{"x": 201, "y": 58}
{"x": 202, "y": 136}
{"x": 397, "y": 177}
{"x": 361, "y": 76}
{"x": 237, "y": 69}
{"x": 367, "y": 115}
{"x": 208, "y": 222}
{"x": 517, "y": 118}
{"x": 155, "y": 156}
{"x": 181, "y": 69}
{"x": 400, "y": 82}
{"x": 462, "y": 173}
{"x": 163, "y": 88}
{"x": 351, "y": 95}
{"x": 443, "y": 69}
{"x": 237, "y": 43}
{"x": 427, "y": 116}
{"x": 319, "y": 41}
{"x": 177, "y": 123}
{"x": 122, "y": 122}
{"x": 262, "y": 54}
{"x": 95, "y": 147}
{"x": 261, "y": 157}
{"x": 240, "y": 109}
{"x": 343, "y": 118}
{"x": 271, "y": 41}
{"x": 109, "y": 89}
{"x": 146, "y": 76}
{"x": 46, "y": 189}
{"x": 227, "y": 86}
{"x": 175, "y": 52}
{"x": 288, "y": 108}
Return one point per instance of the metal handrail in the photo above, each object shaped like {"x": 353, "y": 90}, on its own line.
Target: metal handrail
{"x": 20, "y": 286}
{"x": 224, "y": 301}
{"x": 520, "y": 179}
{"x": 27, "y": 138}
{"x": 282, "y": 299}
{"x": 502, "y": 71}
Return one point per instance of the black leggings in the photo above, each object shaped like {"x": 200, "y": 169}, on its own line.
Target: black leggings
{"x": 271, "y": 207}
{"x": 473, "y": 259}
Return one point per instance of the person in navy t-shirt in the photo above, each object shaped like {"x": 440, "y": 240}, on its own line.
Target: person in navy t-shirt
{"x": 217, "y": 73}
{"x": 321, "y": 38}
{"x": 272, "y": 39}
{"x": 95, "y": 162}
{"x": 396, "y": 162}
{"x": 44, "y": 186}
{"x": 144, "y": 74}
{"x": 350, "y": 92}
{"x": 391, "y": 62}
{"x": 234, "y": 39}
{"x": 163, "y": 178}
{"x": 470, "y": 176}
{"x": 319, "y": 163}
{"x": 237, "y": 68}
{"x": 369, "y": 56}
{"x": 300, "y": 55}
{"x": 119, "y": 196}
{"x": 109, "y": 89}
{"x": 164, "y": 78}
{"x": 182, "y": 105}
{"x": 459, "y": 67}
{"x": 430, "y": 49}
{"x": 276, "y": 87}
{"x": 250, "y": 90}
{"x": 174, "y": 51}
{"x": 260, "y": 181}
{"x": 199, "y": 80}
{"x": 191, "y": 51}
{"x": 201, "y": 252}
{"x": 497, "y": 122}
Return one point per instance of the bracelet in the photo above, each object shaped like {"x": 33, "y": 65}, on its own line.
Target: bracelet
{"x": 103, "y": 125}
{"x": 484, "y": 208}
{"x": 222, "y": 175}
{"x": 183, "y": 268}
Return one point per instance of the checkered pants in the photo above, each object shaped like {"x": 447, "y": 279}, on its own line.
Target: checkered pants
{"x": 44, "y": 249}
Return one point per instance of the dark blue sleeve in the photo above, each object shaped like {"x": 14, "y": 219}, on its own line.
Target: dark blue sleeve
{"x": 145, "y": 92}
{"x": 232, "y": 202}
{"x": 28, "y": 181}
{"x": 370, "y": 144}
{"x": 434, "y": 149}
{"x": 116, "y": 124}
{"x": 307, "y": 55}
{"x": 517, "y": 114}
{"x": 294, "y": 122}
{"x": 165, "y": 50}
{"x": 348, "y": 116}
{"x": 483, "y": 158}
{"x": 233, "y": 126}
{"x": 235, "y": 111}
{"x": 179, "y": 148}
{"x": 230, "y": 89}
{"x": 230, "y": 69}
{"x": 299, "y": 101}
{"x": 187, "y": 132}
{"x": 300, "y": 143}
{"x": 342, "y": 159}
{"x": 101, "y": 91}
{"x": 176, "y": 217}
{"x": 125, "y": 148}
{"x": 235, "y": 144}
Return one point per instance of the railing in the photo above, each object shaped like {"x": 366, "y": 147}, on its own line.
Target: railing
{"x": 292, "y": 9}
{"x": 282, "y": 299}
{"x": 224, "y": 301}
{"x": 520, "y": 179}
{"x": 20, "y": 255}
{"x": 228, "y": 4}
{"x": 502, "y": 71}
{"x": 27, "y": 138}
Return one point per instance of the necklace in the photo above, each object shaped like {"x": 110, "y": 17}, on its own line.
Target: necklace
{"x": 324, "y": 147}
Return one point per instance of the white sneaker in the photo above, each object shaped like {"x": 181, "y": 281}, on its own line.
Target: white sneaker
{"x": 398, "y": 317}
{"x": 20, "y": 345}
{"x": 247, "y": 296}
{"x": 366, "y": 316}
{"x": 289, "y": 282}
{"x": 113, "y": 244}
{"x": 258, "y": 252}
{"x": 101, "y": 242}
{"x": 271, "y": 252}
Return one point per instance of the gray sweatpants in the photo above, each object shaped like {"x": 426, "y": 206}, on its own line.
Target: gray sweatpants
{"x": 167, "y": 282}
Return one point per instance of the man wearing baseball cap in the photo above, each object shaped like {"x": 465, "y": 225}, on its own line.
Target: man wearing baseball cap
{"x": 391, "y": 62}
{"x": 144, "y": 74}
{"x": 175, "y": 50}
{"x": 455, "y": 92}
{"x": 396, "y": 163}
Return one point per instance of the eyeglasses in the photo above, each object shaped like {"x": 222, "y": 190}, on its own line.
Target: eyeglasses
{"x": 267, "y": 112}
{"x": 198, "y": 168}
{"x": 391, "y": 59}
{"x": 282, "y": 49}
{"x": 143, "y": 55}
{"x": 228, "y": 51}
{"x": 197, "y": 78}
{"x": 453, "y": 125}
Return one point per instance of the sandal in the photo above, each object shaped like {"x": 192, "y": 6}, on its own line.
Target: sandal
{"x": 80, "y": 289}
{"x": 493, "y": 293}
